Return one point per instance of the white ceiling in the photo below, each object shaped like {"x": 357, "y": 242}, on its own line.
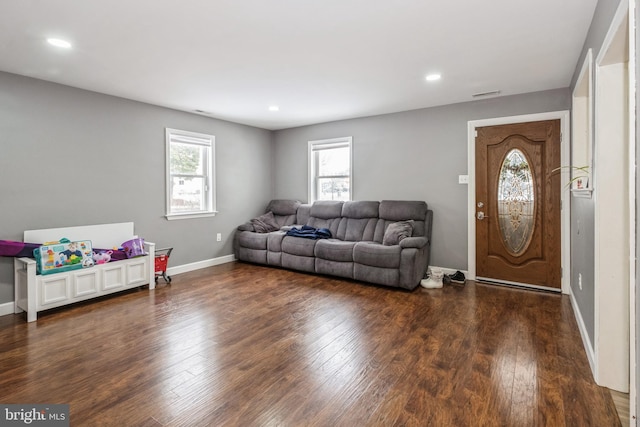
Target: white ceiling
{"x": 317, "y": 60}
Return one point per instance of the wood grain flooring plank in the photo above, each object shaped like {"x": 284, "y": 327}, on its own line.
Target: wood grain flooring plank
{"x": 245, "y": 345}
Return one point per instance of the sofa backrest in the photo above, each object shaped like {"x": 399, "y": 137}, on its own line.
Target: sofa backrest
{"x": 303, "y": 214}
{"x": 359, "y": 220}
{"x": 284, "y": 211}
{"x": 326, "y": 214}
{"x": 400, "y": 210}
{"x": 364, "y": 220}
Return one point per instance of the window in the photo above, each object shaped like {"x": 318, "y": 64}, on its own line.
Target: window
{"x": 330, "y": 169}
{"x": 190, "y": 172}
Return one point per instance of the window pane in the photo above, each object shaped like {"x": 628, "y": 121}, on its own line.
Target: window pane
{"x": 334, "y": 161}
{"x": 516, "y": 202}
{"x": 333, "y": 189}
{"x": 187, "y": 194}
{"x": 187, "y": 158}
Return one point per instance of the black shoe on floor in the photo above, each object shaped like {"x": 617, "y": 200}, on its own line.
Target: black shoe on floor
{"x": 458, "y": 277}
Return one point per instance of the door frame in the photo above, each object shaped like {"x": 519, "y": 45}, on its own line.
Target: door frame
{"x": 565, "y": 213}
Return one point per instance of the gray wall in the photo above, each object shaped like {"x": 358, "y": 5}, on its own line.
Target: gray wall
{"x": 73, "y": 157}
{"x": 582, "y": 210}
{"x": 411, "y": 155}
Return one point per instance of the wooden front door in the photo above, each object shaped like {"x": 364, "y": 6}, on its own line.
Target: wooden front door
{"x": 518, "y": 203}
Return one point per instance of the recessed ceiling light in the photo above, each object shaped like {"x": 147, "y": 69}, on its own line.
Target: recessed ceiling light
{"x": 274, "y": 108}
{"x": 59, "y": 43}
{"x": 433, "y": 77}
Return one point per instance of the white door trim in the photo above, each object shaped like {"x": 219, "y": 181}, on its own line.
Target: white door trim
{"x": 613, "y": 331}
{"x": 565, "y": 215}
{"x": 633, "y": 190}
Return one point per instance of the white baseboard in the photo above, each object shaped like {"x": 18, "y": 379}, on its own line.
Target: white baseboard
{"x": 185, "y": 268}
{"x": 586, "y": 342}
{"x": 6, "y": 308}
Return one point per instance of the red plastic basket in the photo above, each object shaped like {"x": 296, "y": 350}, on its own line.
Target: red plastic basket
{"x": 160, "y": 263}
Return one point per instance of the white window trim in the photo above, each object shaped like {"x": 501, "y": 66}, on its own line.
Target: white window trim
{"x": 582, "y": 127}
{"x": 326, "y": 144}
{"x": 196, "y": 138}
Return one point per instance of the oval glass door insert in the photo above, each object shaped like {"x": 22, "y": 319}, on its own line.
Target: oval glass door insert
{"x": 516, "y": 202}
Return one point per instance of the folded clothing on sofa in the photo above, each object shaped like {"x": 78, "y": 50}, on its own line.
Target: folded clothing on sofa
{"x": 309, "y": 232}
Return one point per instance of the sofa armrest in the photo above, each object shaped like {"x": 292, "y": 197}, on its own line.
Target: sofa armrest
{"x": 414, "y": 242}
{"x": 247, "y": 226}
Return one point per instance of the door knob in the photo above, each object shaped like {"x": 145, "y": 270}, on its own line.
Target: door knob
{"x": 480, "y": 215}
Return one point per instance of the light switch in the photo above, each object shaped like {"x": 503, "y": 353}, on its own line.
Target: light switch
{"x": 463, "y": 179}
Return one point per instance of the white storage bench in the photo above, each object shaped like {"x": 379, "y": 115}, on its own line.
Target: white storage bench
{"x": 35, "y": 293}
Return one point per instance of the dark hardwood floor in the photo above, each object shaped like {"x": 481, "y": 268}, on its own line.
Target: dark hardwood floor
{"x": 244, "y": 345}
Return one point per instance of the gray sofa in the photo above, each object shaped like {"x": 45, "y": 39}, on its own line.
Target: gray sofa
{"x": 369, "y": 240}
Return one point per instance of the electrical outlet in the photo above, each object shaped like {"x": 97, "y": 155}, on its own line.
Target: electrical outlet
{"x": 219, "y": 237}
{"x": 580, "y": 281}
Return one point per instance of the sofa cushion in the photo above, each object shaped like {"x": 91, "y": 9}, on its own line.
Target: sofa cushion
{"x": 251, "y": 240}
{"x": 298, "y": 246}
{"x": 265, "y": 223}
{"x": 302, "y": 216}
{"x": 274, "y": 241}
{"x": 301, "y": 263}
{"x": 360, "y": 209}
{"x": 377, "y": 255}
{"x": 358, "y": 221}
{"x": 332, "y": 224}
{"x": 400, "y": 210}
{"x": 334, "y": 250}
{"x": 397, "y": 231}
{"x": 259, "y": 256}
{"x": 327, "y": 209}
{"x": 284, "y": 211}
{"x": 356, "y": 229}
{"x": 380, "y": 276}
{"x": 283, "y": 207}
{"x": 274, "y": 258}
{"x": 334, "y": 268}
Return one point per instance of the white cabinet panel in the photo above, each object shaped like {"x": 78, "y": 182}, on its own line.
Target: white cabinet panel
{"x": 55, "y": 289}
{"x": 137, "y": 271}
{"x": 113, "y": 276}
{"x": 85, "y": 282}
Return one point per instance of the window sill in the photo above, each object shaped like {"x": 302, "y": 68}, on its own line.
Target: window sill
{"x": 172, "y": 217}
{"x": 583, "y": 193}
